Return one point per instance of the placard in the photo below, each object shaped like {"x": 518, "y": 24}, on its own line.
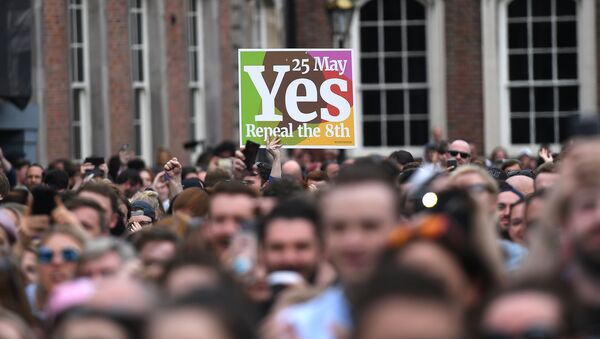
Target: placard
{"x": 306, "y": 97}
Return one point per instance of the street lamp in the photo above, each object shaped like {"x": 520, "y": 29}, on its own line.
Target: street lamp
{"x": 340, "y": 17}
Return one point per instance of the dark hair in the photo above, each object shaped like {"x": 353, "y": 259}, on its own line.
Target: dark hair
{"x": 57, "y": 179}
{"x": 293, "y": 208}
{"x": 548, "y": 167}
{"x": 231, "y": 188}
{"x": 132, "y": 324}
{"x": 18, "y": 195}
{"x": 12, "y": 289}
{"x": 317, "y": 175}
{"x": 136, "y": 164}
{"x": 4, "y": 186}
{"x": 216, "y": 176}
{"x": 187, "y": 170}
{"x": 143, "y": 237}
{"x": 401, "y": 157}
{"x": 396, "y": 281}
{"x": 67, "y": 166}
{"x": 233, "y": 312}
{"x": 194, "y": 200}
{"x": 104, "y": 190}
{"x": 38, "y": 166}
{"x": 283, "y": 188}
{"x": 225, "y": 147}
{"x": 21, "y": 163}
{"x": 76, "y": 203}
{"x": 198, "y": 258}
{"x": 364, "y": 170}
{"x": 131, "y": 176}
{"x": 510, "y": 162}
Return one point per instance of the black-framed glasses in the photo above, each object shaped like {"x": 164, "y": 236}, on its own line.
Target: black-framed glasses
{"x": 463, "y": 155}
{"x": 45, "y": 255}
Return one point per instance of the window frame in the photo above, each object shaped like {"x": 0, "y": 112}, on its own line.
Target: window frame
{"x": 196, "y": 87}
{"x": 436, "y": 74}
{"x": 495, "y": 69}
{"x": 76, "y": 87}
{"x": 143, "y": 143}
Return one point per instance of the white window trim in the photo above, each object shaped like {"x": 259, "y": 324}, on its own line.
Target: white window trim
{"x": 197, "y": 88}
{"x": 436, "y": 75}
{"x": 85, "y": 118}
{"x": 494, "y": 52}
{"x": 145, "y": 119}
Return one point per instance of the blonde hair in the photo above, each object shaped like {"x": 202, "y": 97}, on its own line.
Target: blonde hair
{"x": 152, "y": 199}
{"x": 469, "y": 169}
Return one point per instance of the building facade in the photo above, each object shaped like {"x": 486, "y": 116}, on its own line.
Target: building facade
{"x": 159, "y": 73}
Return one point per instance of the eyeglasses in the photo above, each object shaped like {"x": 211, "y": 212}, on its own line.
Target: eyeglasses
{"x": 45, "y": 255}
{"x": 463, "y": 155}
{"x": 529, "y": 333}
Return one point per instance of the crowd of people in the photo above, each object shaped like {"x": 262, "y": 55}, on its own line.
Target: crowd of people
{"x": 304, "y": 245}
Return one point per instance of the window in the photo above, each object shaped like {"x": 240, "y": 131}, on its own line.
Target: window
{"x": 394, "y": 87}
{"x": 542, "y": 73}
{"x": 196, "y": 74}
{"x": 139, "y": 74}
{"x": 79, "y": 82}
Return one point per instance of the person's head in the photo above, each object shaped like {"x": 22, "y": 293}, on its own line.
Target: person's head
{"x": 527, "y": 310}
{"x": 535, "y": 209}
{"x": 331, "y": 168}
{"x": 12, "y": 326}
{"x": 147, "y": 177}
{"x": 106, "y": 197}
{"x": 479, "y": 183}
{"x": 90, "y": 214}
{"x": 231, "y": 204}
{"x": 57, "y": 179}
{"x": 403, "y": 303}
{"x": 104, "y": 258}
{"x": 27, "y": 258}
{"x": 442, "y": 248}
{"x": 152, "y": 199}
{"x": 316, "y": 178}
{"x": 498, "y": 155}
{"x": 4, "y": 186}
{"x": 521, "y": 183}
{"x": 508, "y": 195}
{"x": 156, "y": 247}
{"x": 58, "y": 254}
{"x": 142, "y": 214}
{"x": 129, "y": 182}
{"x": 290, "y": 238}
{"x": 193, "y": 270}
{"x": 34, "y": 175}
{"x": 101, "y": 324}
{"x": 546, "y": 176}
{"x": 291, "y": 168}
{"x": 21, "y": 167}
{"x": 461, "y": 151}
{"x": 12, "y": 289}
{"x": 357, "y": 215}
{"x": 192, "y": 202}
{"x": 203, "y": 314}
{"x": 517, "y": 227}
{"x": 401, "y": 158}
{"x": 510, "y": 165}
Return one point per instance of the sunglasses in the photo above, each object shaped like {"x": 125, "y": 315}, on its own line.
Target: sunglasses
{"x": 45, "y": 255}
{"x": 529, "y": 333}
{"x": 462, "y": 154}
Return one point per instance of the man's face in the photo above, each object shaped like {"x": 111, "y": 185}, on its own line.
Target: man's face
{"x": 461, "y": 151}
{"x": 332, "y": 170}
{"x": 227, "y": 212}
{"x": 291, "y": 245}
{"x": 505, "y": 200}
{"x": 253, "y": 181}
{"x": 22, "y": 174}
{"x": 583, "y": 224}
{"x": 516, "y": 230}
{"x": 357, "y": 222}
{"x": 512, "y": 316}
{"x": 89, "y": 219}
{"x": 403, "y": 318}
{"x": 154, "y": 256}
{"x": 105, "y": 203}
{"x": 546, "y": 180}
{"x": 163, "y": 190}
{"x": 34, "y": 176}
{"x": 146, "y": 179}
{"x": 106, "y": 266}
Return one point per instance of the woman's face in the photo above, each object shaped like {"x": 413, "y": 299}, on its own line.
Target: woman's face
{"x": 188, "y": 324}
{"x": 57, "y": 260}
{"x": 28, "y": 267}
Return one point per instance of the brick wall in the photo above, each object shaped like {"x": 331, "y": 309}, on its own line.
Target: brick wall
{"x": 313, "y": 29}
{"x": 55, "y": 37}
{"x": 177, "y": 76}
{"x": 464, "y": 81}
{"x": 228, "y": 92}
{"x": 119, "y": 86}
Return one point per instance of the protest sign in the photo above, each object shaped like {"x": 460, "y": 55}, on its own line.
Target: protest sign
{"x": 304, "y": 96}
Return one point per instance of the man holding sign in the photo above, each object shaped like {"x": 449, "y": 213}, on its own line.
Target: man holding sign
{"x": 306, "y": 97}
